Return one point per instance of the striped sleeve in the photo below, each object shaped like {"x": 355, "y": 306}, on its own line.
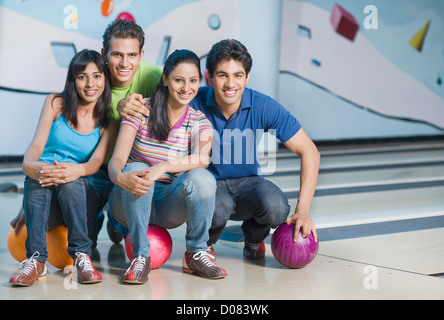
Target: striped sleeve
{"x": 200, "y": 123}
{"x": 136, "y": 124}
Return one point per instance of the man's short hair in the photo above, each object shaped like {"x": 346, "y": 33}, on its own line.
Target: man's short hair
{"x": 123, "y": 29}
{"x": 229, "y": 49}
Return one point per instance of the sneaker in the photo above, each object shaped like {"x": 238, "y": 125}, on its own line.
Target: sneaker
{"x": 201, "y": 264}
{"x": 138, "y": 271}
{"x": 32, "y": 270}
{"x": 254, "y": 251}
{"x": 86, "y": 273}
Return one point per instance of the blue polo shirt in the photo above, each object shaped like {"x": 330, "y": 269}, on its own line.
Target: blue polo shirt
{"x": 235, "y": 141}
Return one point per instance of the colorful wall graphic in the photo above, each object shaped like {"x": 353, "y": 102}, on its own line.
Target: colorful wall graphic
{"x": 347, "y": 69}
{"x": 357, "y": 80}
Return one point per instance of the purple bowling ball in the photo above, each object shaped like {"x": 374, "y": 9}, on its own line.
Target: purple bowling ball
{"x": 293, "y": 254}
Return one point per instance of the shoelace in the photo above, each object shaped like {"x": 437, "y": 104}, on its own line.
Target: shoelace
{"x": 205, "y": 257}
{"x": 84, "y": 262}
{"x": 254, "y": 246}
{"x": 139, "y": 263}
{"x": 29, "y": 263}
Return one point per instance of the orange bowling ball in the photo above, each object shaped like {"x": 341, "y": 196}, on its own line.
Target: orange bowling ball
{"x": 56, "y": 241}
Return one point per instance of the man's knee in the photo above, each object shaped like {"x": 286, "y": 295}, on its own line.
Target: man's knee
{"x": 225, "y": 207}
{"x": 272, "y": 203}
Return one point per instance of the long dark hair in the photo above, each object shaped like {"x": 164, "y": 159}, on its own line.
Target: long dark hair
{"x": 159, "y": 121}
{"x": 71, "y": 99}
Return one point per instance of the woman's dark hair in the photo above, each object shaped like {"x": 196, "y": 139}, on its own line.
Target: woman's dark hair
{"x": 159, "y": 121}
{"x": 71, "y": 99}
{"x": 123, "y": 29}
{"x": 228, "y": 49}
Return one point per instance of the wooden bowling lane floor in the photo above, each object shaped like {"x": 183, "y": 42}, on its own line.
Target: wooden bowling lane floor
{"x": 390, "y": 266}
{"x": 380, "y": 219}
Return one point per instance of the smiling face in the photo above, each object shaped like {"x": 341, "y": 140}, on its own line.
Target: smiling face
{"x": 183, "y": 84}
{"x": 229, "y": 81}
{"x": 123, "y": 59}
{"x": 90, "y": 84}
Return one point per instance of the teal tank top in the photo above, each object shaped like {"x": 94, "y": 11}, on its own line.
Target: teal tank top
{"x": 67, "y": 145}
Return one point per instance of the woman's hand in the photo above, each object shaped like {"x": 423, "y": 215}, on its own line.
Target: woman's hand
{"x": 156, "y": 171}
{"x": 46, "y": 173}
{"x": 59, "y": 173}
{"x": 135, "y": 182}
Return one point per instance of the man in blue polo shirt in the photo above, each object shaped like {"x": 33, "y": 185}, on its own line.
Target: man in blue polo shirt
{"x": 239, "y": 117}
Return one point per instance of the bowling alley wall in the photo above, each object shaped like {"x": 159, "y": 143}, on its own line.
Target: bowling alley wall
{"x": 347, "y": 69}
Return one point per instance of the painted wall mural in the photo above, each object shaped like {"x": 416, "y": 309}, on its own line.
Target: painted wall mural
{"x": 347, "y": 69}
{"x": 368, "y": 73}
{"x": 39, "y": 38}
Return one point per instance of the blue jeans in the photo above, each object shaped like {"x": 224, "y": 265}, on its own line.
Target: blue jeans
{"x": 102, "y": 186}
{"x": 98, "y": 188}
{"x": 73, "y": 204}
{"x": 257, "y": 202}
{"x": 189, "y": 198}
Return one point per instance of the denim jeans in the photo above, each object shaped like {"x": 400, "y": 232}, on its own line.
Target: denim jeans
{"x": 73, "y": 204}
{"x": 97, "y": 197}
{"x": 98, "y": 188}
{"x": 257, "y": 202}
{"x": 189, "y": 198}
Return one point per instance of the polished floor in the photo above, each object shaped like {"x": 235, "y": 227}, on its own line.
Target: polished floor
{"x": 379, "y": 211}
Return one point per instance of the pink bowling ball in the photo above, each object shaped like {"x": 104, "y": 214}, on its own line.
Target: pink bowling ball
{"x": 161, "y": 245}
{"x": 293, "y": 254}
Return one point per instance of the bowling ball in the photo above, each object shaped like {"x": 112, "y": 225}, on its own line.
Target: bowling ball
{"x": 16, "y": 243}
{"x": 289, "y": 253}
{"x": 57, "y": 245}
{"x": 56, "y": 240}
{"x": 161, "y": 245}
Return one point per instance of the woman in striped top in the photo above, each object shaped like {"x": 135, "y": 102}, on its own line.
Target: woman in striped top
{"x": 158, "y": 167}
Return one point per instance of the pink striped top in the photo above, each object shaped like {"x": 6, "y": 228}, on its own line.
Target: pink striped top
{"x": 151, "y": 151}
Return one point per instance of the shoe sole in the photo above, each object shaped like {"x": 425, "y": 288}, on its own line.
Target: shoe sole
{"x": 193, "y": 272}
{"x": 90, "y": 281}
{"x": 134, "y": 281}
{"x": 86, "y": 281}
{"x": 18, "y": 284}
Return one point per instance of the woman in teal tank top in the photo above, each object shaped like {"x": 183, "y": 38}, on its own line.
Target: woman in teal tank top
{"x": 72, "y": 139}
